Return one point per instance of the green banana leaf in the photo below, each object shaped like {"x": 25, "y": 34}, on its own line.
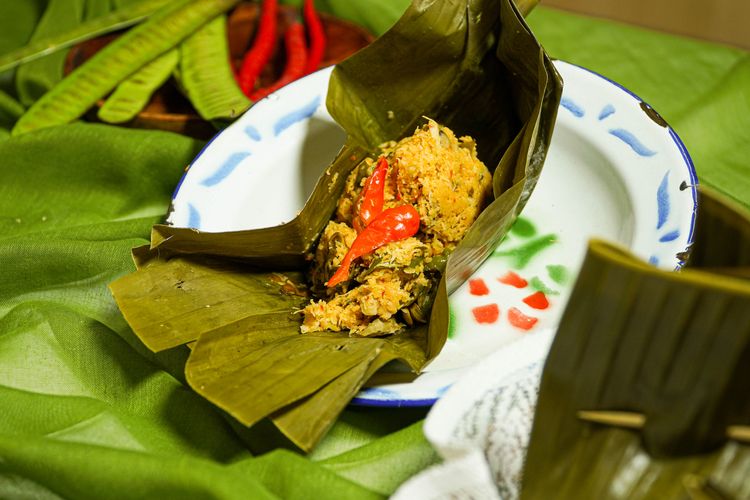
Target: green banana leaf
{"x": 673, "y": 348}
{"x": 480, "y": 72}
{"x": 82, "y": 398}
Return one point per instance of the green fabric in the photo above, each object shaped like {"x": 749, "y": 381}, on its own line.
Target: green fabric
{"x": 87, "y": 412}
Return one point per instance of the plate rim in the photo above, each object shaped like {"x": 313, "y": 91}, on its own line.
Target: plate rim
{"x": 687, "y": 159}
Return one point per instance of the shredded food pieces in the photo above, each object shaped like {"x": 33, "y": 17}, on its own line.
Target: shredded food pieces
{"x": 377, "y": 265}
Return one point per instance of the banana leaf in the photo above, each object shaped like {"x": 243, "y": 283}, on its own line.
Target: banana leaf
{"x": 472, "y": 65}
{"x": 670, "y": 348}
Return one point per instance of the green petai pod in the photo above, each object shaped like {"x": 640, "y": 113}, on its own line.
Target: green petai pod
{"x": 132, "y": 95}
{"x": 73, "y": 96}
{"x": 117, "y": 20}
{"x": 206, "y": 76}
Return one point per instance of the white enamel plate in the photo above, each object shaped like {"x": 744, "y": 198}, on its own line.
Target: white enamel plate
{"x": 614, "y": 170}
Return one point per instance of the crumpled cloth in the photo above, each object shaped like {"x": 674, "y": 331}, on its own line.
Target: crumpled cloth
{"x": 481, "y": 427}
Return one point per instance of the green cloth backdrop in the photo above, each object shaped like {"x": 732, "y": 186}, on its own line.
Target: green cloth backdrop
{"x": 87, "y": 412}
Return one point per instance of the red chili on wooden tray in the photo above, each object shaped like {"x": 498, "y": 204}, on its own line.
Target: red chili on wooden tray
{"x": 316, "y": 36}
{"x": 296, "y": 58}
{"x": 391, "y": 225}
{"x": 260, "y": 53}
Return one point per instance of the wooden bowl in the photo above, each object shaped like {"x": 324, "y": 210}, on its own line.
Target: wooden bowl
{"x": 169, "y": 110}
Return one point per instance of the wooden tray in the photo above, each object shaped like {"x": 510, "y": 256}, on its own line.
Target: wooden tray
{"x": 170, "y": 110}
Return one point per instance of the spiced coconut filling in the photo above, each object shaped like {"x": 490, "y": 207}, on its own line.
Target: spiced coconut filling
{"x": 377, "y": 264}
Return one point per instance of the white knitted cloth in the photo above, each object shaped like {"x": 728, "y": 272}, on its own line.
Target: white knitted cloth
{"x": 481, "y": 427}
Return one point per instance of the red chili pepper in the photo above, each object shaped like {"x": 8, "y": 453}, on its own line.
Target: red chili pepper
{"x": 296, "y": 55}
{"x": 394, "y": 224}
{"x": 265, "y": 40}
{"x": 317, "y": 36}
{"x": 372, "y": 198}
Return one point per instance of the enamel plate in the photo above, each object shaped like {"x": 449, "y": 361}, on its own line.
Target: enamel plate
{"x": 615, "y": 170}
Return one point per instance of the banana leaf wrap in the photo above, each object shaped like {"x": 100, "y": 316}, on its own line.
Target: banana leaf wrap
{"x": 472, "y": 65}
{"x": 673, "y": 350}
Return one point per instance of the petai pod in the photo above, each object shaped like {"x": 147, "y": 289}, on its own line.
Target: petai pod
{"x": 132, "y": 95}
{"x": 205, "y": 75}
{"x": 119, "y": 19}
{"x": 73, "y": 96}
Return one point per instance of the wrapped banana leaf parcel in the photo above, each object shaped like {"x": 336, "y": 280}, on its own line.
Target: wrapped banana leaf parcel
{"x": 280, "y": 321}
{"x": 645, "y": 390}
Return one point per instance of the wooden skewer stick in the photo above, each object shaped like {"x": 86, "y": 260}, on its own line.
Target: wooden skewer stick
{"x": 739, "y": 433}
{"x": 626, "y": 419}
{"x": 633, "y": 420}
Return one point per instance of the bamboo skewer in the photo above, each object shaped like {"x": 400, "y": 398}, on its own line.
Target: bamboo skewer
{"x": 739, "y": 433}
{"x": 633, "y": 420}
{"x": 626, "y": 419}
